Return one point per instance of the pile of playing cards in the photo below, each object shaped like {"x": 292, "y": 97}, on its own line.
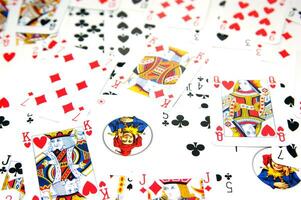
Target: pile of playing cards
{"x": 150, "y": 99}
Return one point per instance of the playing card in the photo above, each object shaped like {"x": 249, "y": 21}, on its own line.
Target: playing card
{"x": 273, "y": 174}
{"x": 295, "y": 11}
{"x": 41, "y": 17}
{"x": 65, "y": 90}
{"x": 287, "y": 155}
{"x": 64, "y": 153}
{"x": 83, "y": 31}
{"x": 96, "y": 4}
{"x": 248, "y": 113}
{"x": 285, "y": 50}
{"x": 245, "y": 22}
{"x": 164, "y": 70}
{"x": 192, "y": 15}
{"x": 153, "y": 187}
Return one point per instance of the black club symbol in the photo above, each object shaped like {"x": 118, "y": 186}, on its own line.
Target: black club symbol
{"x": 228, "y": 176}
{"x": 3, "y": 170}
{"x": 206, "y": 122}
{"x": 3, "y": 122}
{"x": 165, "y": 123}
{"x": 82, "y": 23}
{"x": 180, "y": 121}
{"x": 190, "y": 94}
{"x": 82, "y": 12}
{"x": 93, "y": 29}
{"x": 17, "y": 169}
{"x": 195, "y": 148}
{"x": 81, "y": 36}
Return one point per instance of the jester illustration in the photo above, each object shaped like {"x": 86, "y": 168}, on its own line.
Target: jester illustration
{"x": 61, "y": 167}
{"x": 176, "y": 189}
{"x": 154, "y": 70}
{"x": 277, "y": 175}
{"x": 126, "y": 132}
{"x": 246, "y": 108}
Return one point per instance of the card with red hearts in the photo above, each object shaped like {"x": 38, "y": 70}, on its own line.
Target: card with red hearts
{"x": 96, "y": 4}
{"x": 246, "y": 22}
{"x": 59, "y": 165}
{"x": 247, "y": 113}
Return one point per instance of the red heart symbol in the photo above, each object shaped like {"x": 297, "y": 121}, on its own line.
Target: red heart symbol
{"x": 34, "y": 56}
{"x": 27, "y": 144}
{"x": 219, "y": 128}
{"x": 89, "y": 188}
{"x": 253, "y": 13}
{"x": 89, "y": 132}
{"x": 268, "y": 10}
{"x": 228, "y": 84}
{"x": 235, "y": 26}
{"x": 40, "y": 142}
{"x": 272, "y": 1}
{"x": 35, "y": 197}
{"x": 265, "y": 21}
{"x": 102, "y": 1}
{"x": 9, "y": 56}
{"x": 102, "y": 184}
{"x": 243, "y": 4}
{"x": 216, "y": 85}
{"x": 261, "y": 32}
{"x": 239, "y": 16}
{"x": 4, "y": 103}
{"x": 267, "y": 130}
{"x": 280, "y": 128}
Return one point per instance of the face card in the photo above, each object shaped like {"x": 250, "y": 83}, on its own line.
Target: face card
{"x": 66, "y": 155}
{"x": 273, "y": 174}
{"x": 192, "y": 15}
{"x": 247, "y": 113}
{"x": 152, "y": 187}
{"x": 245, "y": 22}
{"x": 96, "y": 4}
{"x": 295, "y": 11}
{"x": 40, "y": 16}
{"x": 164, "y": 71}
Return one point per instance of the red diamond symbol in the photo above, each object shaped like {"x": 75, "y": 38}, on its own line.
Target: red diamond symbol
{"x": 159, "y": 93}
{"x": 81, "y": 108}
{"x": 40, "y": 99}
{"x": 161, "y": 15}
{"x": 179, "y": 1}
{"x": 61, "y": 92}
{"x": 30, "y": 93}
{"x": 55, "y": 77}
{"x": 208, "y": 188}
{"x": 286, "y": 35}
{"x": 68, "y": 107}
{"x": 143, "y": 190}
{"x": 170, "y": 96}
{"x": 94, "y": 64}
{"x": 159, "y": 48}
{"x": 186, "y": 18}
{"x": 155, "y": 187}
{"x": 284, "y": 53}
{"x": 165, "y": 4}
{"x": 81, "y": 85}
{"x": 190, "y": 7}
{"x": 68, "y": 57}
